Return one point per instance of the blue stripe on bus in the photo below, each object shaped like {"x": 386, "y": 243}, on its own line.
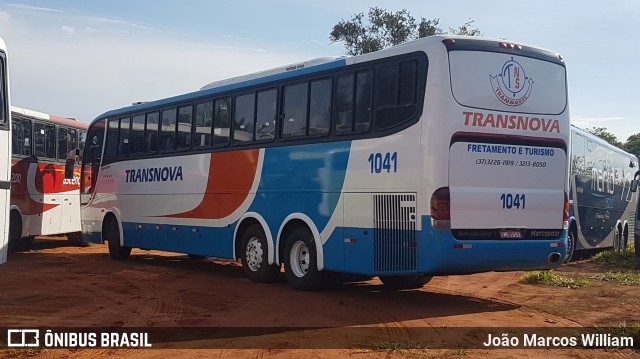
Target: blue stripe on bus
{"x": 206, "y": 241}
{"x": 311, "y": 177}
{"x": 213, "y": 91}
{"x": 357, "y": 255}
{"x": 484, "y": 255}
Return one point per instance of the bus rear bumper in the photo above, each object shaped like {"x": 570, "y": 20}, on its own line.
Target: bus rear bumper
{"x": 443, "y": 254}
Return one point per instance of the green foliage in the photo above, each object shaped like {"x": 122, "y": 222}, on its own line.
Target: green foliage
{"x": 624, "y": 260}
{"x": 633, "y": 144}
{"x": 385, "y": 29}
{"x": 395, "y": 346}
{"x": 604, "y": 134}
{"x": 549, "y": 277}
{"x": 624, "y": 278}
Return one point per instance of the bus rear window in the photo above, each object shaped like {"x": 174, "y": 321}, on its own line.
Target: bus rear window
{"x": 505, "y": 82}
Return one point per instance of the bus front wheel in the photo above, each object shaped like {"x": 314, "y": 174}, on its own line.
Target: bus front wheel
{"x": 116, "y": 250}
{"x": 255, "y": 260}
{"x": 15, "y": 231}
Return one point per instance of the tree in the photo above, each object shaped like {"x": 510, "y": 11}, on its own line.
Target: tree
{"x": 633, "y": 144}
{"x": 384, "y": 29}
{"x": 604, "y": 134}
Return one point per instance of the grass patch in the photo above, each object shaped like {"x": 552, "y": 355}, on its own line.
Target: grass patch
{"x": 395, "y": 346}
{"x": 549, "y": 277}
{"x": 624, "y": 278}
{"x": 624, "y": 260}
{"x": 622, "y": 329}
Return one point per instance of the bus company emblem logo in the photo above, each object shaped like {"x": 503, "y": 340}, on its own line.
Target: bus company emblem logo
{"x": 512, "y": 86}
{"x": 21, "y": 338}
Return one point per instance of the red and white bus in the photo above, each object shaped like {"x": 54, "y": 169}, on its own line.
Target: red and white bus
{"x": 443, "y": 155}
{"x": 5, "y": 153}
{"x": 43, "y": 200}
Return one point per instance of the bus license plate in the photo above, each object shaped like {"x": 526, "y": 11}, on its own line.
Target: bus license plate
{"x": 511, "y": 234}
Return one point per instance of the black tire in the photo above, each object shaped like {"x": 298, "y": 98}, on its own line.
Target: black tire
{"x": 15, "y": 232}
{"x": 300, "y": 262}
{"x": 617, "y": 239}
{"x": 254, "y": 256}
{"x": 116, "y": 251}
{"x": 404, "y": 282}
{"x": 636, "y": 245}
{"x": 571, "y": 247}
{"x": 624, "y": 240}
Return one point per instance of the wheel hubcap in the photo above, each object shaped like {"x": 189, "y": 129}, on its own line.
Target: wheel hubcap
{"x": 254, "y": 254}
{"x": 299, "y": 259}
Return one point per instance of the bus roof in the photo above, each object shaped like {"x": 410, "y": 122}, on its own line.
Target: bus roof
{"x": 315, "y": 65}
{"x": 594, "y": 138}
{"x": 227, "y": 85}
{"x": 48, "y": 117}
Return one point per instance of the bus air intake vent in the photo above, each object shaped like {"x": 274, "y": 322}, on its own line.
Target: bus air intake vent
{"x": 395, "y": 232}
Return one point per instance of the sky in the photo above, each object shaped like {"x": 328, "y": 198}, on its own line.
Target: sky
{"x": 78, "y": 58}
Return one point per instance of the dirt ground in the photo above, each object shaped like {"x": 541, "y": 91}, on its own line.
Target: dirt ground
{"x": 55, "y": 284}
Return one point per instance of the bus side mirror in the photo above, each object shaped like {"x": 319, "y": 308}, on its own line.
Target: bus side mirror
{"x": 634, "y": 183}
{"x": 68, "y": 168}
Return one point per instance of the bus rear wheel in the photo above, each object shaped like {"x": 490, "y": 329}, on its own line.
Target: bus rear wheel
{"x": 116, "y": 250}
{"x": 404, "y": 282}
{"x": 617, "y": 240}
{"x": 255, "y": 260}
{"x": 571, "y": 247}
{"x": 300, "y": 261}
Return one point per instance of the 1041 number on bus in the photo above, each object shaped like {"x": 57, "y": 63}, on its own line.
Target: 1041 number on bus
{"x": 511, "y": 201}
{"x": 383, "y": 162}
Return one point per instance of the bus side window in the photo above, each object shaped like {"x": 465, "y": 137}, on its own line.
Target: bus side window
{"x": 151, "y": 132}
{"x": 320, "y": 108}
{"x": 168, "y": 129}
{"x": 294, "y": 119}
{"x": 45, "y": 140}
{"x": 82, "y": 140}
{"x": 203, "y": 124}
{"x": 185, "y": 116}
{"x": 244, "y": 119}
{"x": 344, "y": 104}
{"x": 22, "y": 135}
{"x": 266, "y": 116}
{"x": 63, "y": 143}
{"x": 364, "y": 86}
{"x": 222, "y": 122}
{"x": 396, "y": 93}
{"x": 136, "y": 137}
{"x": 111, "y": 147}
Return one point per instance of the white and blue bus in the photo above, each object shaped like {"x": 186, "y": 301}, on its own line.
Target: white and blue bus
{"x": 5, "y": 153}
{"x": 444, "y": 155}
{"x": 602, "y": 205}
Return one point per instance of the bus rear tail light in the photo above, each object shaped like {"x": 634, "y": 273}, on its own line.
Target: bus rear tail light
{"x": 441, "y": 208}
{"x": 565, "y": 214}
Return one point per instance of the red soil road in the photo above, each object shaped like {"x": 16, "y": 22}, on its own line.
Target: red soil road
{"x": 58, "y": 285}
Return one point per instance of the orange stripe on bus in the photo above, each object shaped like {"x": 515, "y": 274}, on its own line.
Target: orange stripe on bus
{"x": 231, "y": 176}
